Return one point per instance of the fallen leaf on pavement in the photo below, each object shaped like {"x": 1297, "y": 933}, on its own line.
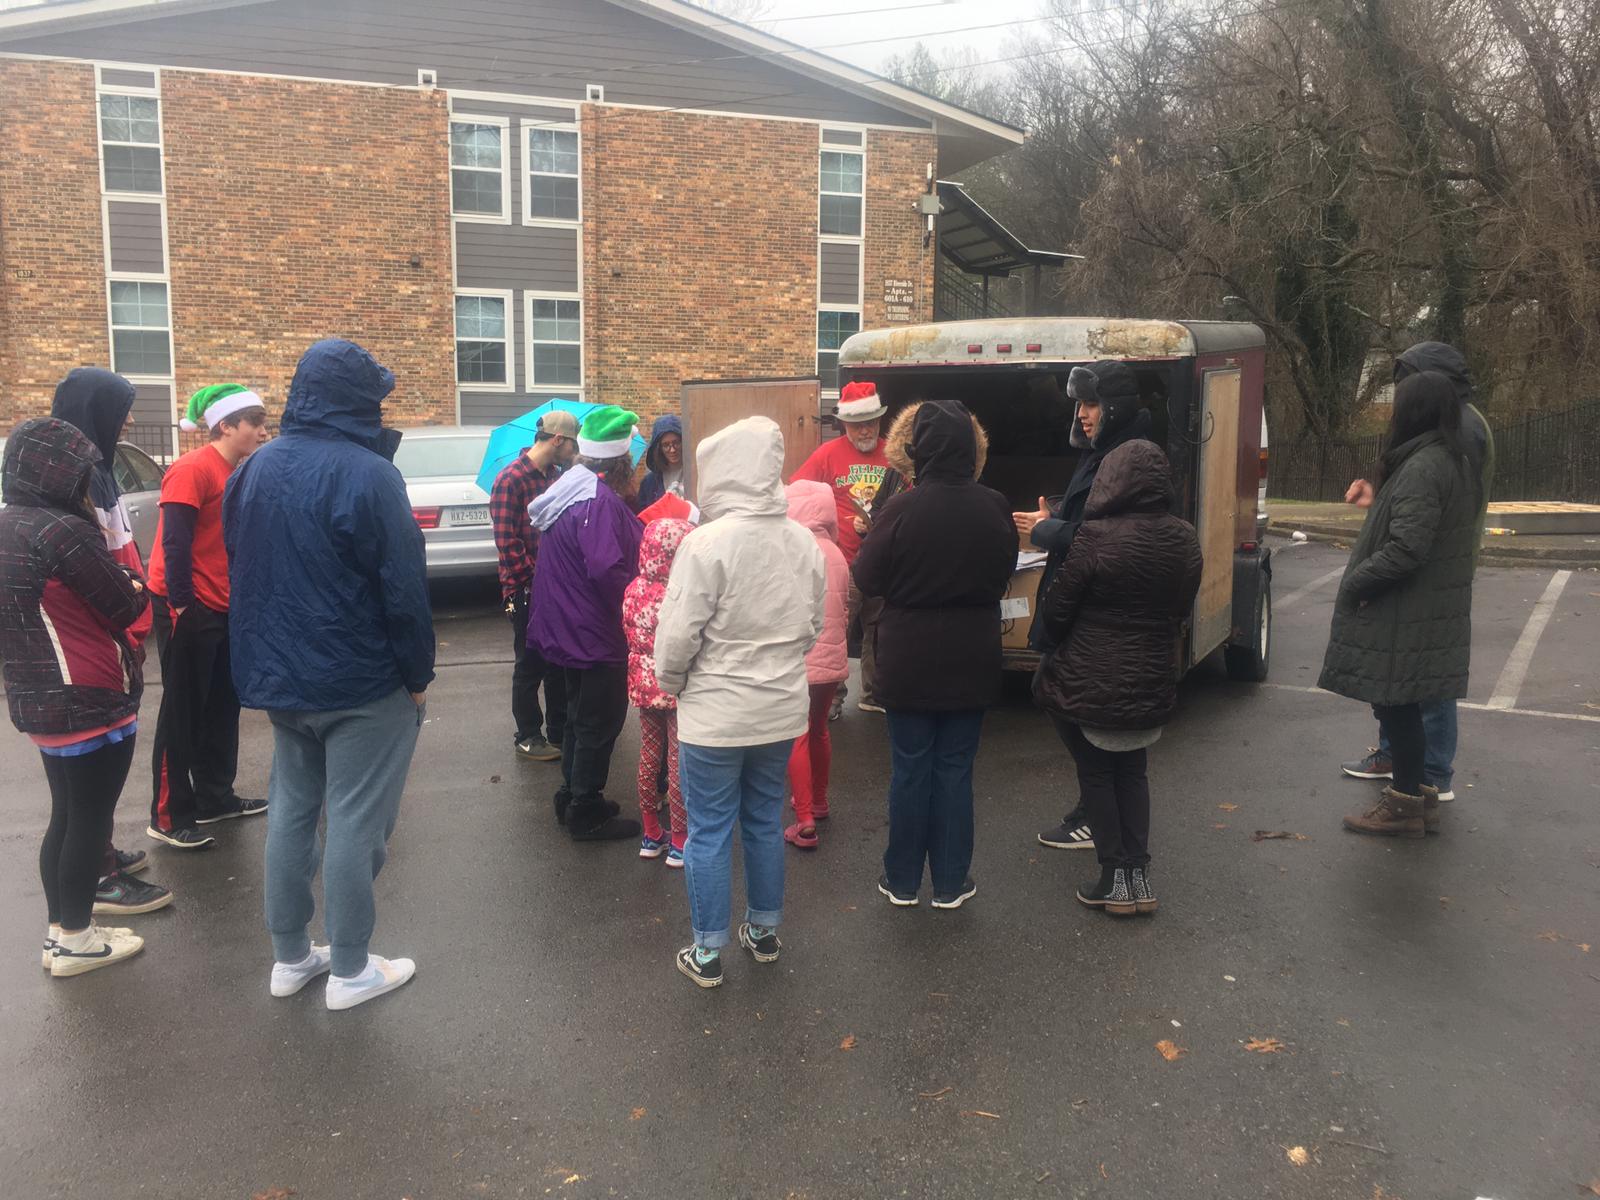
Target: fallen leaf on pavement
{"x": 1103, "y": 1174}
{"x": 1220, "y": 825}
{"x": 1270, "y": 835}
{"x": 942, "y": 1092}
{"x": 1594, "y": 1186}
{"x": 1444, "y": 900}
{"x": 636, "y": 1114}
{"x": 978, "y": 1112}
{"x": 1228, "y": 807}
{"x": 494, "y": 779}
{"x": 1170, "y": 1050}
{"x": 1345, "y": 1021}
{"x": 849, "y": 1042}
{"x": 1269, "y": 1045}
{"x": 1584, "y": 946}
{"x": 1298, "y": 1155}
{"x": 285, "y": 1193}
{"x": 1549, "y": 935}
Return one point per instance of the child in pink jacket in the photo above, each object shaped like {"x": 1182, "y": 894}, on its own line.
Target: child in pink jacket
{"x": 827, "y": 666}
{"x": 658, "y": 712}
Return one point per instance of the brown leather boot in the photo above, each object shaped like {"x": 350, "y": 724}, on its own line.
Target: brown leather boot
{"x": 1430, "y": 808}
{"x": 1394, "y": 815}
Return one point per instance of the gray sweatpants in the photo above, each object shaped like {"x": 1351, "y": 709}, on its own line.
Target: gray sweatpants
{"x": 352, "y": 763}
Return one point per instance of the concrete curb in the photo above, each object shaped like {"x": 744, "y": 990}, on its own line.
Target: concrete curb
{"x": 1493, "y": 555}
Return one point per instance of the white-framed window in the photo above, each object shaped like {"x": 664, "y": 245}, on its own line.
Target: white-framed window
{"x": 484, "y": 355}
{"x": 842, "y": 188}
{"x": 480, "y": 182}
{"x": 551, "y": 192}
{"x": 141, "y": 328}
{"x": 555, "y": 341}
{"x": 130, "y": 143}
{"x": 834, "y": 326}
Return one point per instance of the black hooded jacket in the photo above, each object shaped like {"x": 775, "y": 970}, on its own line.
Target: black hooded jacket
{"x": 941, "y": 556}
{"x": 97, "y": 402}
{"x": 1475, "y": 435}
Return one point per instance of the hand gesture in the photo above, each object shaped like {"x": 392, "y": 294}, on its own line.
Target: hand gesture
{"x": 1025, "y": 521}
{"x": 1359, "y": 493}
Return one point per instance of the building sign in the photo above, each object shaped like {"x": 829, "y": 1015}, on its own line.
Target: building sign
{"x": 899, "y": 299}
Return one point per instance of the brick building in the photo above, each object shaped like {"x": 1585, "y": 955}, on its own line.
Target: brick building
{"x": 505, "y": 203}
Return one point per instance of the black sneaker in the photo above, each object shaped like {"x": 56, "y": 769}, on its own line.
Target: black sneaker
{"x": 599, "y": 822}
{"x": 762, "y": 949}
{"x": 706, "y": 974}
{"x": 124, "y": 896}
{"x": 131, "y": 862}
{"x": 1144, "y": 896}
{"x": 235, "y": 806}
{"x": 182, "y": 839}
{"x": 957, "y": 898}
{"x": 1376, "y": 765}
{"x": 1069, "y": 835}
{"x": 536, "y": 749}
{"x": 1112, "y": 893}
{"x": 898, "y": 899}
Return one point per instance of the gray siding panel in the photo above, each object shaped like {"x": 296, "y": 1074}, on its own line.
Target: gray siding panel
{"x": 152, "y": 404}
{"x": 842, "y": 137}
{"x": 496, "y": 408}
{"x": 112, "y": 77}
{"x": 465, "y": 109}
{"x": 840, "y": 271}
{"x": 527, "y": 47}
{"x": 533, "y": 258}
{"x": 134, "y": 231}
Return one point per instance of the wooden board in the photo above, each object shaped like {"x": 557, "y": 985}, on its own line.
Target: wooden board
{"x": 1218, "y": 506}
{"x": 795, "y": 404}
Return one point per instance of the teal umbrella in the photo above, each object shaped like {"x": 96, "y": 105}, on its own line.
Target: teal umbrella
{"x": 516, "y": 435}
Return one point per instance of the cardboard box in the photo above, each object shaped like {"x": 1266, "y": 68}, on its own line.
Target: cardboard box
{"x": 1017, "y": 609}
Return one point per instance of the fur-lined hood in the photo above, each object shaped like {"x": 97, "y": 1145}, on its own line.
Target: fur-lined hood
{"x": 897, "y": 443}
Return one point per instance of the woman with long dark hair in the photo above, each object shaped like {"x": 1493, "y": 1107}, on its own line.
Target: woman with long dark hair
{"x": 1402, "y": 623}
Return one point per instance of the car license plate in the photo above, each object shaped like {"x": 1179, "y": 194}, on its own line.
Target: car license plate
{"x": 477, "y": 514}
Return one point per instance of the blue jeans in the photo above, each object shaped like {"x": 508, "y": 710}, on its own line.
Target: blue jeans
{"x": 1439, "y": 729}
{"x": 353, "y": 763}
{"x": 930, "y": 798}
{"x": 722, "y": 784}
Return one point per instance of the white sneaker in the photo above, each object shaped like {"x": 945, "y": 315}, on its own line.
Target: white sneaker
{"x": 52, "y": 938}
{"x": 382, "y": 975}
{"x": 92, "y": 949}
{"x": 1446, "y": 796}
{"x": 289, "y": 978}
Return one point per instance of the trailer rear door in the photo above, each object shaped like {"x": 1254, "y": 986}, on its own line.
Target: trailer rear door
{"x": 712, "y": 405}
{"x": 1217, "y": 509}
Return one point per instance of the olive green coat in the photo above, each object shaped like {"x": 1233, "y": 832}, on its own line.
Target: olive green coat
{"x": 1402, "y": 623}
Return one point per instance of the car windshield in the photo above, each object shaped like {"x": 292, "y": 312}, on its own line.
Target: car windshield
{"x": 438, "y": 457}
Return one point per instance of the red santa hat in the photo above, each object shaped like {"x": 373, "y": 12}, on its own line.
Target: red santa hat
{"x": 860, "y": 402}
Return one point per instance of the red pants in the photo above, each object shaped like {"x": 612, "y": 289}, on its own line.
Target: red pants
{"x": 812, "y": 758}
{"x": 658, "y": 736}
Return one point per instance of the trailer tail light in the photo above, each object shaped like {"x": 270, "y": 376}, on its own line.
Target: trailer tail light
{"x": 1034, "y": 347}
{"x": 1263, "y": 464}
{"x": 1003, "y": 348}
{"x": 427, "y": 518}
{"x": 974, "y": 348}
{"x": 1249, "y": 547}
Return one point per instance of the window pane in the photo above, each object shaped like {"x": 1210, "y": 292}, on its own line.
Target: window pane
{"x": 553, "y": 197}
{"x": 841, "y": 215}
{"x": 556, "y": 321}
{"x": 475, "y": 146}
{"x": 553, "y": 151}
{"x": 828, "y": 369}
{"x": 557, "y": 366}
{"x": 132, "y": 169}
{"x": 129, "y": 119}
{"x": 834, "y": 327}
{"x": 480, "y": 362}
{"x": 139, "y": 304}
{"x": 475, "y": 192}
{"x": 140, "y": 352}
{"x": 480, "y": 317}
{"x": 841, "y": 172}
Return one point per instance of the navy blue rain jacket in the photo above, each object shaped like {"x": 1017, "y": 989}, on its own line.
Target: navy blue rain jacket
{"x": 329, "y": 597}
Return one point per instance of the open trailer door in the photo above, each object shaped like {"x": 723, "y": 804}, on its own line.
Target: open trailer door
{"x": 1216, "y": 509}
{"x": 709, "y": 405}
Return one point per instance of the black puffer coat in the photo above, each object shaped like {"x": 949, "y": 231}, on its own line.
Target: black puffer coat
{"x": 940, "y": 555}
{"x": 1402, "y": 623}
{"x": 1118, "y": 603}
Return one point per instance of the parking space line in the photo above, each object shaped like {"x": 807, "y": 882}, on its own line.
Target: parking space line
{"x": 1467, "y": 704}
{"x": 1515, "y": 672}
{"x": 1320, "y": 581}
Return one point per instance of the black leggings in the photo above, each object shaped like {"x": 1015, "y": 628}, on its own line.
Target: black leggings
{"x": 1408, "y": 746}
{"x": 1114, "y": 790}
{"x": 83, "y": 795}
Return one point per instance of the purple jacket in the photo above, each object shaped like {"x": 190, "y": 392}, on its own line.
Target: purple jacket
{"x": 588, "y": 554}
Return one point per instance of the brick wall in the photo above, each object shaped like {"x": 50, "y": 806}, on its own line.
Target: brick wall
{"x": 52, "y": 277}
{"x": 294, "y": 213}
{"x": 897, "y": 166}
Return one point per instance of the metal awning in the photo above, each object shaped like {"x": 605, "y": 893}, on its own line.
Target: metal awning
{"x": 979, "y": 244}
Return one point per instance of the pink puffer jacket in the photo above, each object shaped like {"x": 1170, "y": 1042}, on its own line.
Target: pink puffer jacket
{"x": 641, "y": 606}
{"x": 812, "y": 505}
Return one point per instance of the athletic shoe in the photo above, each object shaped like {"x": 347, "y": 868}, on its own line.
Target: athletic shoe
{"x": 1376, "y": 765}
{"x": 382, "y": 975}
{"x": 869, "y": 706}
{"x": 92, "y": 949}
{"x": 182, "y": 839}
{"x": 236, "y": 806}
{"x": 131, "y": 862}
{"x": 707, "y": 974}
{"x": 289, "y": 978}
{"x": 898, "y": 899}
{"x": 650, "y": 847}
{"x": 1112, "y": 893}
{"x": 802, "y": 836}
{"x": 675, "y": 858}
{"x": 536, "y": 749}
{"x": 955, "y": 899}
{"x": 1069, "y": 835}
{"x": 1446, "y": 795}
{"x": 122, "y": 895}
{"x": 52, "y": 940}
{"x": 763, "y": 949}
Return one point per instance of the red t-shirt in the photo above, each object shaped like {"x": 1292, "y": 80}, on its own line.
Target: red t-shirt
{"x": 197, "y": 479}
{"x": 849, "y": 473}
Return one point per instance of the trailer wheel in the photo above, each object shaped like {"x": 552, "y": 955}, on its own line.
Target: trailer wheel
{"x": 1248, "y": 663}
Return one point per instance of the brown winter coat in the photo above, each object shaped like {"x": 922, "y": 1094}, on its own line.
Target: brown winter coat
{"x": 1117, "y": 605}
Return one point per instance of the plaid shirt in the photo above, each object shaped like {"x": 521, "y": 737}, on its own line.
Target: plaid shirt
{"x": 514, "y": 535}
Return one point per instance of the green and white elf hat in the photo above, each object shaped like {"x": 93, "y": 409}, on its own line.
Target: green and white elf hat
{"x": 607, "y": 432}
{"x": 216, "y": 402}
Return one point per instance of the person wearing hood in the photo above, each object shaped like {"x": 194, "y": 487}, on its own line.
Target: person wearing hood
{"x": 1438, "y": 716}
{"x": 98, "y": 403}
{"x": 746, "y": 601}
{"x": 197, "y": 732}
{"x": 1115, "y": 614}
{"x": 1107, "y": 414}
{"x": 940, "y": 558}
{"x": 588, "y": 555}
{"x": 663, "y": 462}
{"x": 333, "y": 636}
{"x": 72, "y": 675}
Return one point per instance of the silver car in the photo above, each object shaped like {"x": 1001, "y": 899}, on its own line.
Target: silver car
{"x": 440, "y": 466}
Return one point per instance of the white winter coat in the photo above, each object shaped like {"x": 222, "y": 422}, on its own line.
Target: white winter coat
{"x": 744, "y": 601}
